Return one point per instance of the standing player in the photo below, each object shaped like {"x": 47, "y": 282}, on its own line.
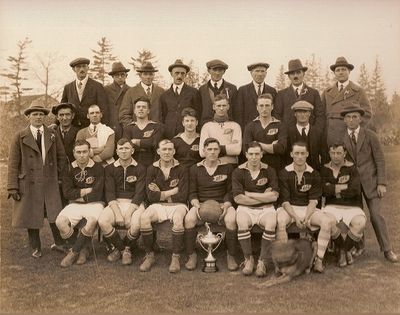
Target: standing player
{"x": 255, "y": 189}
{"x": 167, "y": 190}
{"x": 125, "y": 194}
{"x": 210, "y": 179}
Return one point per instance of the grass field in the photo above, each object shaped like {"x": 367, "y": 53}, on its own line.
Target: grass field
{"x": 28, "y": 285}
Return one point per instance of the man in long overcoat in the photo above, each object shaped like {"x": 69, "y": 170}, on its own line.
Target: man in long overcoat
{"x": 36, "y": 159}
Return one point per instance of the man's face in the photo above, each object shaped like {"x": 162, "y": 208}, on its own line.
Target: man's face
{"x": 221, "y": 108}
{"x": 146, "y": 77}
{"x": 296, "y": 77}
{"x": 254, "y": 156}
{"x": 125, "y": 151}
{"x": 352, "y": 120}
{"x": 299, "y": 155}
{"x": 189, "y": 123}
{"x": 94, "y": 115}
{"x": 337, "y": 155}
{"x": 65, "y": 116}
{"x": 141, "y": 109}
{"x": 211, "y": 152}
{"x": 216, "y": 73}
{"x": 302, "y": 116}
{"x": 81, "y": 71}
{"x": 342, "y": 74}
{"x": 258, "y": 74}
{"x": 264, "y": 107}
{"x": 120, "y": 78}
{"x": 81, "y": 154}
{"x": 166, "y": 151}
{"x": 36, "y": 119}
{"x": 178, "y": 75}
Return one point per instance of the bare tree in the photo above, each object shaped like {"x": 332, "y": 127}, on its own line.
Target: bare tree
{"x": 102, "y": 60}
{"x": 194, "y": 77}
{"x": 280, "y": 82}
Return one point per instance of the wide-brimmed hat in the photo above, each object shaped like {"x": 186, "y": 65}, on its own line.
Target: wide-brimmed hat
{"x": 147, "y": 66}
{"x": 341, "y": 62}
{"x": 118, "y": 67}
{"x": 59, "y": 106}
{"x": 79, "y": 61}
{"x": 178, "y": 63}
{"x": 36, "y": 106}
{"x": 351, "y": 107}
{"x": 216, "y": 63}
{"x": 302, "y": 105}
{"x": 257, "y": 64}
{"x": 295, "y": 65}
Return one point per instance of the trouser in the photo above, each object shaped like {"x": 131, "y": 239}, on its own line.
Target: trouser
{"x": 34, "y": 237}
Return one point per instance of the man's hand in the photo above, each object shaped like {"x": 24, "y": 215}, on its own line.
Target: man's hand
{"x": 300, "y": 223}
{"x": 136, "y": 142}
{"x": 98, "y": 150}
{"x": 97, "y": 159}
{"x": 14, "y": 194}
{"x": 381, "y": 190}
{"x": 154, "y": 187}
{"x": 224, "y": 208}
{"x": 339, "y": 188}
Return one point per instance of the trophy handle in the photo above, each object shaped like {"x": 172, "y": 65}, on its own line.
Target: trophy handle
{"x": 198, "y": 238}
{"x": 221, "y": 237}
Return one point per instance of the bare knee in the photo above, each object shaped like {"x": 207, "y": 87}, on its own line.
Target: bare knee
{"x": 90, "y": 226}
{"x": 269, "y": 222}
{"x": 358, "y": 223}
{"x": 178, "y": 219}
{"x": 230, "y": 219}
{"x": 242, "y": 221}
{"x": 63, "y": 224}
{"x": 281, "y": 219}
{"x": 190, "y": 220}
{"x": 145, "y": 219}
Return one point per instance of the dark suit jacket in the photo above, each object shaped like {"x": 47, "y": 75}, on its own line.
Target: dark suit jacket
{"x": 369, "y": 160}
{"x": 115, "y": 95}
{"x": 287, "y": 97}
{"x": 246, "y": 109}
{"x": 207, "y": 100}
{"x": 68, "y": 142}
{"x": 172, "y": 105}
{"x": 126, "y": 115}
{"x": 93, "y": 94}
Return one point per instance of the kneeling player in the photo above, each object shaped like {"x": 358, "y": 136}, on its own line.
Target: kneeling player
{"x": 210, "y": 179}
{"x": 83, "y": 186}
{"x": 342, "y": 189}
{"x": 125, "y": 193}
{"x": 167, "y": 189}
{"x": 300, "y": 189}
{"x": 255, "y": 189}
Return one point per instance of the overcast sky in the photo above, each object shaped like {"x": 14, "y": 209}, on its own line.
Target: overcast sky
{"x": 238, "y": 32}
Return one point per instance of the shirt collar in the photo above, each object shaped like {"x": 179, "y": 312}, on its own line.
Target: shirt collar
{"x": 300, "y": 128}
{"x": 65, "y": 130}
{"x": 34, "y": 129}
{"x": 90, "y": 164}
{"x": 219, "y": 83}
{"x": 180, "y": 86}
{"x": 300, "y": 87}
{"x": 84, "y": 81}
{"x": 244, "y": 166}
{"x": 145, "y": 87}
{"x": 118, "y": 163}
{"x": 201, "y": 163}
{"x": 273, "y": 120}
{"x": 345, "y": 84}
{"x": 257, "y": 84}
{"x": 290, "y": 168}
{"x": 346, "y": 163}
{"x": 356, "y": 131}
{"x": 158, "y": 163}
{"x": 179, "y": 135}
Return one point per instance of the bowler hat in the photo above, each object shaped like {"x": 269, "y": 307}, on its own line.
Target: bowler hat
{"x": 59, "y": 106}
{"x": 118, "y": 67}
{"x": 216, "y": 63}
{"x": 146, "y": 67}
{"x": 351, "y": 107}
{"x": 178, "y": 63}
{"x": 79, "y": 61}
{"x": 295, "y": 65}
{"x": 302, "y": 105}
{"x": 36, "y": 106}
{"x": 257, "y": 64}
{"x": 341, "y": 62}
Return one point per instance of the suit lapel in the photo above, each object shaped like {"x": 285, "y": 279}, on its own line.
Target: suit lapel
{"x": 360, "y": 139}
{"x": 335, "y": 94}
{"x": 47, "y": 140}
{"x": 87, "y": 87}
{"x": 349, "y": 146}
{"x": 29, "y": 140}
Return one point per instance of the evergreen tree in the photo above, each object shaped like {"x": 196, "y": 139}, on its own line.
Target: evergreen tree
{"x": 364, "y": 80}
{"x": 281, "y": 78}
{"x": 326, "y": 81}
{"x": 102, "y": 60}
{"x": 312, "y": 76}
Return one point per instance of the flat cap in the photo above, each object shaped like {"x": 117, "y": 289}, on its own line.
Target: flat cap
{"x": 216, "y": 63}
{"x": 257, "y": 64}
{"x": 79, "y": 61}
{"x": 351, "y": 107}
{"x": 302, "y": 105}
{"x": 59, "y": 106}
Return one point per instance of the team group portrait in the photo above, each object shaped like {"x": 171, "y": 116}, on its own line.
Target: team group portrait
{"x": 173, "y": 183}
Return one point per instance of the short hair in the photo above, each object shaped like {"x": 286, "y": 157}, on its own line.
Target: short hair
{"x": 300, "y": 144}
{"x": 165, "y": 141}
{"x": 253, "y": 144}
{"x": 210, "y": 140}
{"x": 81, "y": 142}
{"x": 267, "y": 96}
{"x": 93, "y": 105}
{"x": 142, "y": 99}
{"x": 221, "y": 97}
{"x": 122, "y": 141}
{"x": 188, "y": 111}
{"x": 336, "y": 145}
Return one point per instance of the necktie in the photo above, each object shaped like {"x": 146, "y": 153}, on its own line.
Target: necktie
{"x": 259, "y": 90}
{"x": 148, "y": 92}
{"x": 297, "y": 92}
{"x": 341, "y": 88}
{"x": 39, "y": 140}
{"x": 63, "y": 133}
{"x": 80, "y": 85}
{"x": 303, "y": 133}
{"x": 216, "y": 85}
{"x": 353, "y": 138}
{"x": 177, "y": 91}
{"x": 94, "y": 128}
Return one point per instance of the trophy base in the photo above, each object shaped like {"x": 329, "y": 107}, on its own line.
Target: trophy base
{"x": 209, "y": 268}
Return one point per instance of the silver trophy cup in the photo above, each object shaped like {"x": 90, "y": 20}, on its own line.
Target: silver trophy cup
{"x": 210, "y": 242}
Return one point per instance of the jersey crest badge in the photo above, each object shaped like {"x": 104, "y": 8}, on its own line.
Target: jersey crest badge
{"x": 148, "y": 133}
{"x": 174, "y": 183}
{"x": 131, "y": 179}
{"x": 220, "y": 178}
{"x": 343, "y": 179}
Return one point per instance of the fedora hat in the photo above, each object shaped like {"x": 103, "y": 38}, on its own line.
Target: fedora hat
{"x": 36, "y": 106}
{"x": 79, "y": 61}
{"x": 341, "y": 62}
{"x": 216, "y": 63}
{"x": 118, "y": 67}
{"x": 351, "y": 107}
{"x": 178, "y": 63}
{"x": 257, "y": 64}
{"x": 147, "y": 66}
{"x": 295, "y": 65}
{"x": 59, "y": 106}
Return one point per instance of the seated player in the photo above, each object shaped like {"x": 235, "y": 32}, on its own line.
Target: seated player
{"x": 255, "y": 189}
{"x": 300, "y": 190}
{"x": 210, "y": 179}
{"x": 187, "y": 142}
{"x": 125, "y": 194}
{"x": 342, "y": 189}
{"x": 227, "y": 132}
{"x": 167, "y": 190}
{"x": 267, "y": 131}
{"x": 143, "y": 133}
{"x": 83, "y": 185}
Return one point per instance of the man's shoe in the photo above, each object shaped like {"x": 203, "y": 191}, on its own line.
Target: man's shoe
{"x": 231, "y": 262}
{"x": 191, "y": 264}
{"x": 69, "y": 259}
{"x": 148, "y": 262}
{"x": 391, "y": 256}
{"x": 37, "y": 253}
{"x": 248, "y": 266}
{"x": 83, "y": 256}
{"x": 59, "y": 248}
{"x": 342, "y": 262}
{"x": 261, "y": 270}
{"x": 349, "y": 258}
{"x": 318, "y": 265}
{"x": 127, "y": 256}
{"x": 175, "y": 266}
{"x": 114, "y": 255}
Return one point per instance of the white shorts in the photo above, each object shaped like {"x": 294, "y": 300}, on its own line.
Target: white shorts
{"x": 124, "y": 205}
{"x": 256, "y": 213}
{"x": 343, "y": 213}
{"x": 77, "y": 211}
{"x": 301, "y": 213}
{"x": 165, "y": 211}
